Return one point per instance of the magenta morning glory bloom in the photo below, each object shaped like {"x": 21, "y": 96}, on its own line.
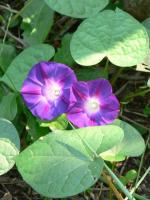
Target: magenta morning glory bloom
{"x": 46, "y": 90}
{"x": 95, "y": 104}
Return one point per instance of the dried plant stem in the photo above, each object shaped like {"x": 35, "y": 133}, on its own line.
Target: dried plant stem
{"x": 2, "y": 7}
{"x": 142, "y": 160}
{"x": 115, "y": 77}
{"x": 119, "y": 183}
{"x": 137, "y": 93}
{"x": 3, "y": 42}
{"x": 112, "y": 187}
{"x": 14, "y": 37}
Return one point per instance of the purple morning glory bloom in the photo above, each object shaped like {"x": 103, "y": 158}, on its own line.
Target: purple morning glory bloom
{"x": 46, "y": 90}
{"x": 95, "y": 104}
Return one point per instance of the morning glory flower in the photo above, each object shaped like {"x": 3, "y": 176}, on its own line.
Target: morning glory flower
{"x": 46, "y": 90}
{"x": 95, "y": 104}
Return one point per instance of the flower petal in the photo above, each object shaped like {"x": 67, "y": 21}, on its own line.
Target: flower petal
{"x": 100, "y": 88}
{"x": 43, "y": 110}
{"x": 88, "y": 95}
{"x": 46, "y": 90}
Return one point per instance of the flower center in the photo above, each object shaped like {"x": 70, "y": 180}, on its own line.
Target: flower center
{"x": 92, "y": 105}
{"x": 57, "y": 92}
{"x": 52, "y": 91}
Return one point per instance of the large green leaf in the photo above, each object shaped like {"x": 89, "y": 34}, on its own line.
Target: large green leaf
{"x": 132, "y": 144}
{"x": 8, "y": 106}
{"x": 146, "y": 23}
{"x": 7, "y": 54}
{"x": 63, "y": 163}
{"x": 21, "y": 65}
{"x": 37, "y": 21}
{"x": 102, "y": 35}
{"x": 9, "y": 145}
{"x": 77, "y": 8}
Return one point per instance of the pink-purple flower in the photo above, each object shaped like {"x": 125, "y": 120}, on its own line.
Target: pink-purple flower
{"x": 47, "y": 89}
{"x": 95, "y": 104}
{"x": 51, "y": 89}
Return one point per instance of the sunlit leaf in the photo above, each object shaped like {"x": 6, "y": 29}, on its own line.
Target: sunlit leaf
{"x": 101, "y": 35}
{"x": 77, "y": 8}
{"x": 9, "y": 145}
{"x": 63, "y": 163}
{"x": 132, "y": 145}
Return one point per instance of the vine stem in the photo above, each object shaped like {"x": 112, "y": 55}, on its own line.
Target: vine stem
{"x": 106, "y": 68}
{"x": 119, "y": 183}
{"x": 138, "y": 197}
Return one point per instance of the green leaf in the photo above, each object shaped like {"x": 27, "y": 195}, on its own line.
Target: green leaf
{"x": 131, "y": 175}
{"x": 21, "y": 65}
{"x": 146, "y": 111}
{"x": 102, "y": 35}
{"x": 63, "y": 54}
{"x": 9, "y": 145}
{"x": 132, "y": 144}
{"x": 69, "y": 165}
{"x": 60, "y": 123}
{"x": 77, "y": 8}
{"x": 8, "y": 131}
{"x": 8, "y": 152}
{"x": 37, "y": 21}
{"x": 8, "y": 106}
{"x": 146, "y": 23}
{"x": 7, "y": 54}
{"x": 34, "y": 129}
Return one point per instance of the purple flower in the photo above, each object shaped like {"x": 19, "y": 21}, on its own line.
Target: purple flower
{"x": 47, "y": 89}
{"x": 95, "y": 104}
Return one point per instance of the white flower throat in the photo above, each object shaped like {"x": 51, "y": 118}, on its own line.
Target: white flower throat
{"x": 92, "y": 105}
{"x": 52, "y": 91}
{"x": 55, "y": 92}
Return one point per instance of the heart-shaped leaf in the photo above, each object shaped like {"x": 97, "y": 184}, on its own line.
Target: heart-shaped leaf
{"x": 102, "y": 35}
{"x": 146, "y": 23}
{"x": 132, "y": 144}
{"x": 21, "y": 65}
{"x": 69, "y": 160}
{"x": 77, "y": 8}
{"x": 9, "y": 145}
